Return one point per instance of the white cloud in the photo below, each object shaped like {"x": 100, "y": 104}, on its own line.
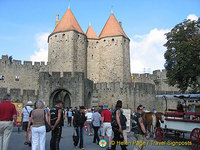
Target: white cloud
{"x": 192, "y": 17}
{"x": 42, "y": 53}
{"x": 147, "y": 51}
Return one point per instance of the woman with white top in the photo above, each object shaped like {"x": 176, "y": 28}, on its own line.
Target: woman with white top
{"x": 88, "y": 115}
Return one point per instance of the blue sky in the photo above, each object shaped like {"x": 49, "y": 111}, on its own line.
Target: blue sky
{"x": 25, "y": 25}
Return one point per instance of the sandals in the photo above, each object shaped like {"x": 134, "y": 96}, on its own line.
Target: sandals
{"x": 26, "y": 143}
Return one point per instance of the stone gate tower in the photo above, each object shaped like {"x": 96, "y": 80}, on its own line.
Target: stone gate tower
{"x": 108, "y": 54}
{"x": 66, "y": 78}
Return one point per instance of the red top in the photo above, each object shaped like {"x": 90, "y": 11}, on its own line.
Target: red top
{"x": 107, "y": 115}
{"x": 7, "y": 110}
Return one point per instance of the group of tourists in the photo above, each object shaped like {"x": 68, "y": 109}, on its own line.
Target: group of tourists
{"x": 38, "y": 119}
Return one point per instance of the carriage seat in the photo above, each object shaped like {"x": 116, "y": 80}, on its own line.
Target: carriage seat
{"x": 175, "y": 110}
{"x": 174, "y": 114}
{"x": 184, "y": 120}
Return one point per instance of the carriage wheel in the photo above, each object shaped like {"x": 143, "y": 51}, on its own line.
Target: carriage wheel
{"x": 159, "y": 134}
{"x": 195, "y": 139}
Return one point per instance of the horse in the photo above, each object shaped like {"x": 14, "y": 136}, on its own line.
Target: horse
{"x": 153, "y": 119}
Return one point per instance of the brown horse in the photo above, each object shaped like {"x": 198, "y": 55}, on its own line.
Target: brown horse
{"x": 152, "y": 119}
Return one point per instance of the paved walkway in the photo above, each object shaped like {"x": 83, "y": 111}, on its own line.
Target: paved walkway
{"x": 17, "y": 142}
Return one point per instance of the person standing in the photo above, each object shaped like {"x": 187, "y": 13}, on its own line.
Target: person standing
{"x": 96, "y": 122}
{"x": 89, "y": 122}
{"x": 38, "y": 129}
{"x": 139, "y": 129}
{"x": 79, "y": 121}
{"x": 69, "y": 115}
{"x": 25, "y": 119}
{"x": 179, "y": 106}
{"x": 56, "y": 116}
{"x": 106, "y": 117}
{"x": 8, "y": 118}
{"x": 118, "y": 124}
{"x": 190, "y": 109}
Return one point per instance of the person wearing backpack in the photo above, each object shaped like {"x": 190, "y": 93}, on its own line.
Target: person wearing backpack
{"x": 117, "y": 123}
{"x": 25, "y": 119}
{"x": 78, "y": 122}
{"x": 56, "y": 120}
{"x": 139, "y": 129}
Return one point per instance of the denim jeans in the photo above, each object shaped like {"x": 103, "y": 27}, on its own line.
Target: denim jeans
{"x": 80, "y": 135}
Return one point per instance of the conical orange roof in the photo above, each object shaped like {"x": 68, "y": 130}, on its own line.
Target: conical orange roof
{"x": 68, "y": 22}
{"x": 91, "y": 33}
{"x": 112, "y": 28}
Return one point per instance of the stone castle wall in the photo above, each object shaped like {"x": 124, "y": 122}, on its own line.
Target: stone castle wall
{"x": 131, "y": 95}
{"x": 159, "y": 79}
{"x": 19, "y": 95}
{"x": 20, "y": 76}
{"x": 77, "y": 87}
{"x": 35, "y": 82}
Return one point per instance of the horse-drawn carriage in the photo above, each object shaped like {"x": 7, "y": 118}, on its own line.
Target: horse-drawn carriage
{"x": 177, "y": 124}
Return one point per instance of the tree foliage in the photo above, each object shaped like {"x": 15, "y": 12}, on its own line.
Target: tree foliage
{"x": 183, "y": 55}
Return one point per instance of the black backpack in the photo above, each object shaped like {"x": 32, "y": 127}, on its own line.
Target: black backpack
{"x": 113, "y": 119}
{"x": 123, "y": 121}
{"x": 135, "y": 123}
{"x": 54, "y": 115}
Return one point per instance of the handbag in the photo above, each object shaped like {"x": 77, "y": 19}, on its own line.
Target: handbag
{"x": 47, "y": 125}
{"x": 75, "y": 137}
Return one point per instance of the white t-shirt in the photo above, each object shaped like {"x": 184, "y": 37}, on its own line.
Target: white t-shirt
{"x": 26, "y": 113}
{"x": 89, "y": 116}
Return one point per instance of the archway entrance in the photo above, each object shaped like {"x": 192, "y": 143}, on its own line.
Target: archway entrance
{"x": 60, "y": 94}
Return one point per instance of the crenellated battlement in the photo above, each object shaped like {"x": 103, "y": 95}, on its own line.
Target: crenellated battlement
{"x": 21, "y": 95}
{"x": 114, "y": 86}
{"x": 150, "y": 78}
{"x": 66, "y": 75}
{"x": 6, "y": 60}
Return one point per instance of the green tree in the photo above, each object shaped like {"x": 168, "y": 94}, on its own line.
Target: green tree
{"x": 183, "y": 56}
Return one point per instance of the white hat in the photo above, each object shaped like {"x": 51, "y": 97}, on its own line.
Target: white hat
{"x": 29, "y": 103}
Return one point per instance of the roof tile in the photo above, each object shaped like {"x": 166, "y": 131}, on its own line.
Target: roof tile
{"x": 68, "y": 22}
{"x": 91, "y": 33}
{"x": 112, "y": 28}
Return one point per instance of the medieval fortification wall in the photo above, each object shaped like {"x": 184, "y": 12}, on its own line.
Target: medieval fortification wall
{"x": 24, "y": 81}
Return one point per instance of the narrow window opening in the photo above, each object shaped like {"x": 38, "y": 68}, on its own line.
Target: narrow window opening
{"x": 16, "y": 78}
{"x": 1, "y": 77}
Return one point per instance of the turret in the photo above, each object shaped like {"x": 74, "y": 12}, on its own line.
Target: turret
{"x": 67, "y": 48}
{"x": 114, "y": 57}
{"x": 93, "y": 56}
